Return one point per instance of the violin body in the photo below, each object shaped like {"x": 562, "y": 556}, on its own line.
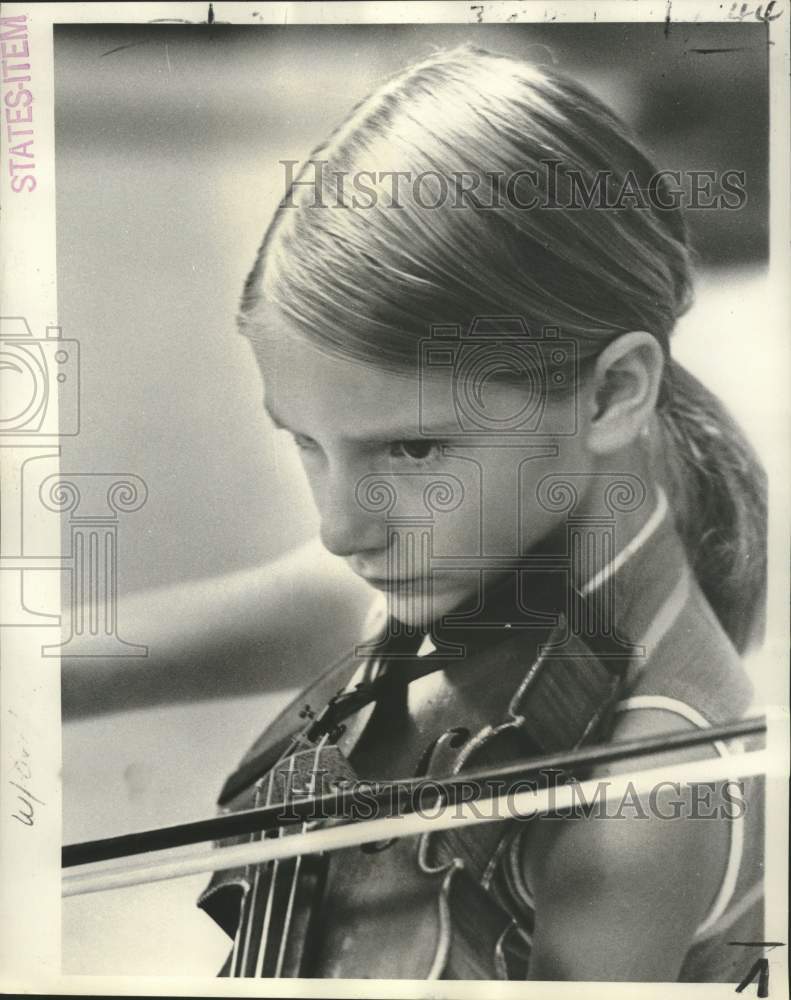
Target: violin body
{"x": 455, "y": 902}
{"x": 448, "y": 904}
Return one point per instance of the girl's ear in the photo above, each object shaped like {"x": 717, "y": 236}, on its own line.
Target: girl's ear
{"x": 625, "y": 385}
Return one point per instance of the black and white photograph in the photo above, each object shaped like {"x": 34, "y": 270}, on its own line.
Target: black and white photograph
{"x": 394, "y": 438}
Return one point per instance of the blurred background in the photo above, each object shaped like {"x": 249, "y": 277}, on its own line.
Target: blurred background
{"x": 168, "y": 147}
{"x": 168, "y": 142}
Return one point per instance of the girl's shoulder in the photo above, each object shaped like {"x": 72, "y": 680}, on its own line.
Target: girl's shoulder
{"x": 678, "y": 885}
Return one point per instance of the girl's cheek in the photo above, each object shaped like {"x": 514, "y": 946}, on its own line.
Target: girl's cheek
{"x": 458, "y": 534}
{"x": 315, "y": 472}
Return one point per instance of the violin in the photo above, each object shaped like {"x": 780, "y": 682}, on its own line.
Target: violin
{"x": 301, "y": 876}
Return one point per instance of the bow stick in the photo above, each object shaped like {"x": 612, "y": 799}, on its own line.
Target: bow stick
{"x": 445, "y": 795}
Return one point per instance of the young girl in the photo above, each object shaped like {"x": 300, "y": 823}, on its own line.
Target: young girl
{"x": 462, "y": 312}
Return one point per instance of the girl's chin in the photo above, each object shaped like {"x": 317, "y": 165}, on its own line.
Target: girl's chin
{"x": 417, "y": 609}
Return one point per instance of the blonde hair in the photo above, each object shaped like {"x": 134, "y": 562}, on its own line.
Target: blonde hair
{"x": 367, "y": 281}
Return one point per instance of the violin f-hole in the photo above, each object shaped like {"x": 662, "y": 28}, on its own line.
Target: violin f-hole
{"x": 436, "y": 757}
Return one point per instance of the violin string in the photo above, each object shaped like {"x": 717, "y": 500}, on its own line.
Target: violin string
{"x": 274, "y": 868}
{"x": 237, "y": 953}
{"x": 249, "y": 915}
{"x": 298, "y": 864}
{"x": 287, "y": 922}
{"x": 234, "y": 971}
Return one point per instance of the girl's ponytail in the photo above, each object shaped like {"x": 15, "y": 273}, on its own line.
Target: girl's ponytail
{"x": 719, "y": 495}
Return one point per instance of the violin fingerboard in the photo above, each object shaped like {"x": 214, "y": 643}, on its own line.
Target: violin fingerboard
{"x": 310, "y": 772}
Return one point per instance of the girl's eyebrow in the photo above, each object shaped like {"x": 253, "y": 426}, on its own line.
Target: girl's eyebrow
{"x": 409, "y": 433}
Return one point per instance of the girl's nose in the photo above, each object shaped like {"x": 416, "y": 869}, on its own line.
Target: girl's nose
{"x": 346, "y": 527}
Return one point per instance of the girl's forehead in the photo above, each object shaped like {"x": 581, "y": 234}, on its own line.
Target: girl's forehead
{"x": 288, "y": 360}
{"x": 305, "y": 384}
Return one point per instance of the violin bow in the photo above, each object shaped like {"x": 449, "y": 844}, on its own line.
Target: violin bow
{"x": 446, "y": 798}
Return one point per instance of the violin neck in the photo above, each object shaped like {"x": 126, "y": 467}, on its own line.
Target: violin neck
{"x": 276, "y": 936}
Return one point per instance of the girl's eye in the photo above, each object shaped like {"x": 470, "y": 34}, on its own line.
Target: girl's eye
{"x": 415, "y": 451}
